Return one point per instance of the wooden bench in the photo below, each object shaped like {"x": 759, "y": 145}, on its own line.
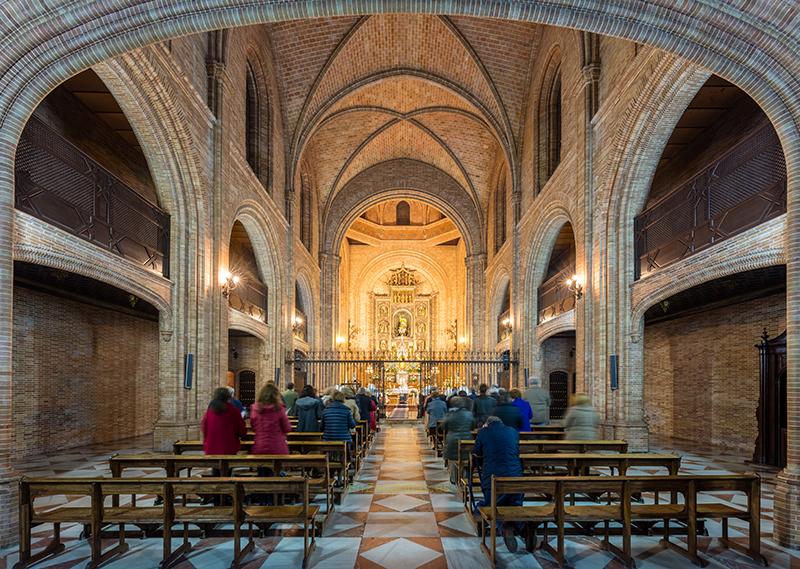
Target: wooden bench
{"x": 173, "y": 511}
{"x": 538, "y": 434}
{"x": 465, "y": 447}
{"x": 337, "y": 451}
{"x": 174, "y": 465}
{"x": 554, "y": 505}
{"x": 576, "y": 464}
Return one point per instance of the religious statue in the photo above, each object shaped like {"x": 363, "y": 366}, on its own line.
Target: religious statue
{"x": 420, "y": 328}
{"x": 383, "y": 345}
{"x": 383, "y": 327}
{"x": 402, "y": 326}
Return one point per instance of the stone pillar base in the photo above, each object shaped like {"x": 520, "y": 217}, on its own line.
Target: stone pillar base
{"x": 165, "y": 434}
{"x": 787, "y": 508}
{"x": 636, "y": 434}
{"x": 9, "y": 522}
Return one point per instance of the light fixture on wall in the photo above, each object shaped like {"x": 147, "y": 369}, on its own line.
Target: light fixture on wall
{"x": 297, "y": 322}
{"x": 575, "y": 286}
{"x": 228, "y": 282}
{"x": 506, "y": 327}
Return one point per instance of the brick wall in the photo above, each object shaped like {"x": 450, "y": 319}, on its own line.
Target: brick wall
{"x": 701, "y": 372}
{"x": 559, "y": 355}
{"x": 82, "y": 374}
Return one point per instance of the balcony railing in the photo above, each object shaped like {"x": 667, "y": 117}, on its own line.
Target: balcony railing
{"x": 555, "y": 297}
{"x": 60, "y": 184}
{"x": 743, "y": 188}
{"x": 250, "y": 297}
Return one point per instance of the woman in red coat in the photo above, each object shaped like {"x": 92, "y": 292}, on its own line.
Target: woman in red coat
{"x": 269, "y": 421}
{"x": 222, "y": 425}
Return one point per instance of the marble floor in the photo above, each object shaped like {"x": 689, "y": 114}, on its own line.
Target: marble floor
{"x": 400, "y": 513}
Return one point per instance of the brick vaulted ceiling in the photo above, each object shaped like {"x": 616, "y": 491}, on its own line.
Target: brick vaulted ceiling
{"x": 450, "y": 92}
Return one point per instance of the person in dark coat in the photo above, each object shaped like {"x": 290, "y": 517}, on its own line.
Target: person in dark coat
{"x": 507, "y": 411}
{"x": 484, "y": 404}
{"x": 308, "y": 410}
{"x": 337, "y": 420}
{"x": 364, "y": 404}
{"x": 435, "y": 409}
{"x": 458, "y": 425}
{"x": 496, "y": 450}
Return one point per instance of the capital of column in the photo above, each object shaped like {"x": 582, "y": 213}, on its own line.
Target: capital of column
{"x": 476, "y": 261}
{"x": 591, "y": 73}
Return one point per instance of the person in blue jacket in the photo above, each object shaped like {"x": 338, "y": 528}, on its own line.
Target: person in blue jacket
{"x": 496, "y": 449}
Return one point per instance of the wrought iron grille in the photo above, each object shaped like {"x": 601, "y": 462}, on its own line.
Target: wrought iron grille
{"x": 58, "y": 183}
{"x": 743, "y": 188}
{"x": 444, "y": 370}
{"x": 554, "y": 295}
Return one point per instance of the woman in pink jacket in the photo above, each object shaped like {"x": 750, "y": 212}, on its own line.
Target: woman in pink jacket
{"x": 269, "y": 421}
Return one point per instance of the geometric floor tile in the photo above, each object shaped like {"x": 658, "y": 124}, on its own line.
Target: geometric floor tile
{"x": 401, "y": 553}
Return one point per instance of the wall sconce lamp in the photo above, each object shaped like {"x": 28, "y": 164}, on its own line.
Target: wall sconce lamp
{"x": 341, "y": 341}
{"x": 297, "y": 322}
{"x": 228, "y": 282}
{"x": 575, "y": 286}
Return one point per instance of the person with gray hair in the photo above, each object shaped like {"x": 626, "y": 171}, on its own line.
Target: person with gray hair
{"x": 539, "y": 399}
{"x": 235, "y": 402}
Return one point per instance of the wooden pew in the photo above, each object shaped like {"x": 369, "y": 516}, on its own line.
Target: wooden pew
{"x": 554, "y": 505}
{"x": 337, "y": 451}
{"x": 546, "y": 446}
{"x": 538, "y": 434}
{"x": 174, "y": 465}
{"x": 97, "y": 514}
{"x": 576, "y": 464}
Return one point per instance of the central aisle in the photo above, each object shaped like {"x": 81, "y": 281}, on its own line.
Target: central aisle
{"x": 404, "y": 509}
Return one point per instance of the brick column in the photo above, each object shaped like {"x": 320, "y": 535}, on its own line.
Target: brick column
{"x": 329, "y": 299}
{"x": 787, "y": 489}
{"x": 8, "y": 476}
{"x": 476, "y": 300}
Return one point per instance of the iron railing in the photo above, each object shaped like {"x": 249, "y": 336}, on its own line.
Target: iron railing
{"x": 445, "y": 370}
{"x": 60, "y": 184}
{"x": 555, "y": 297}
{"x": 742, "y": 189}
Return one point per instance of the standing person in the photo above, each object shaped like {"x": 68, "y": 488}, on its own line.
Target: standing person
{"x": 222, "y": 425}
{"x": 524, "y": 408}
{"x": 373, "y": 413}
{"x": 496, "y": 449}
{"x": 484, "y": 404}
{"x": 350, "y": 402}
{"x": 581, "y": 420}
{"x": 539, "y": 398}
{"x": 337, "y": 420}
{"x": 308, "y": 410}
{"x": 270, "y": 422}
{"x": 363, "y": 402}
{"x": 507, "y": 411}
{"x": 458, "y": 425}
{"x": 290, "y": 398}
{"x": 435, "y": 409}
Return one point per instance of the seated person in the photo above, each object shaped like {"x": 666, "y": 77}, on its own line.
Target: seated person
{"x": 496, "y": 451}
{"x": 507, "y": 412}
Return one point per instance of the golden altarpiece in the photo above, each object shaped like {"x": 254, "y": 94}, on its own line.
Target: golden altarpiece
{"x": 402, "y": 322}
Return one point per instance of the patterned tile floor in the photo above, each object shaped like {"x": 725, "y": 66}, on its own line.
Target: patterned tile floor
{"x": 401, "y": 513}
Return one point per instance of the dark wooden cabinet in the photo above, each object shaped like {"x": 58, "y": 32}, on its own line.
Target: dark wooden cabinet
{"x": 772, "y": 410}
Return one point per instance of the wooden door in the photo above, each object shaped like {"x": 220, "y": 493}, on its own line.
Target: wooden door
{"x": 772, "y": 410}
{"x": 559, "y": 394}
{"x": 247, "y": 388}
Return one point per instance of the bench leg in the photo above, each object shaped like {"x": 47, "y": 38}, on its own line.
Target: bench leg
{"x": 53, "y": 548}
